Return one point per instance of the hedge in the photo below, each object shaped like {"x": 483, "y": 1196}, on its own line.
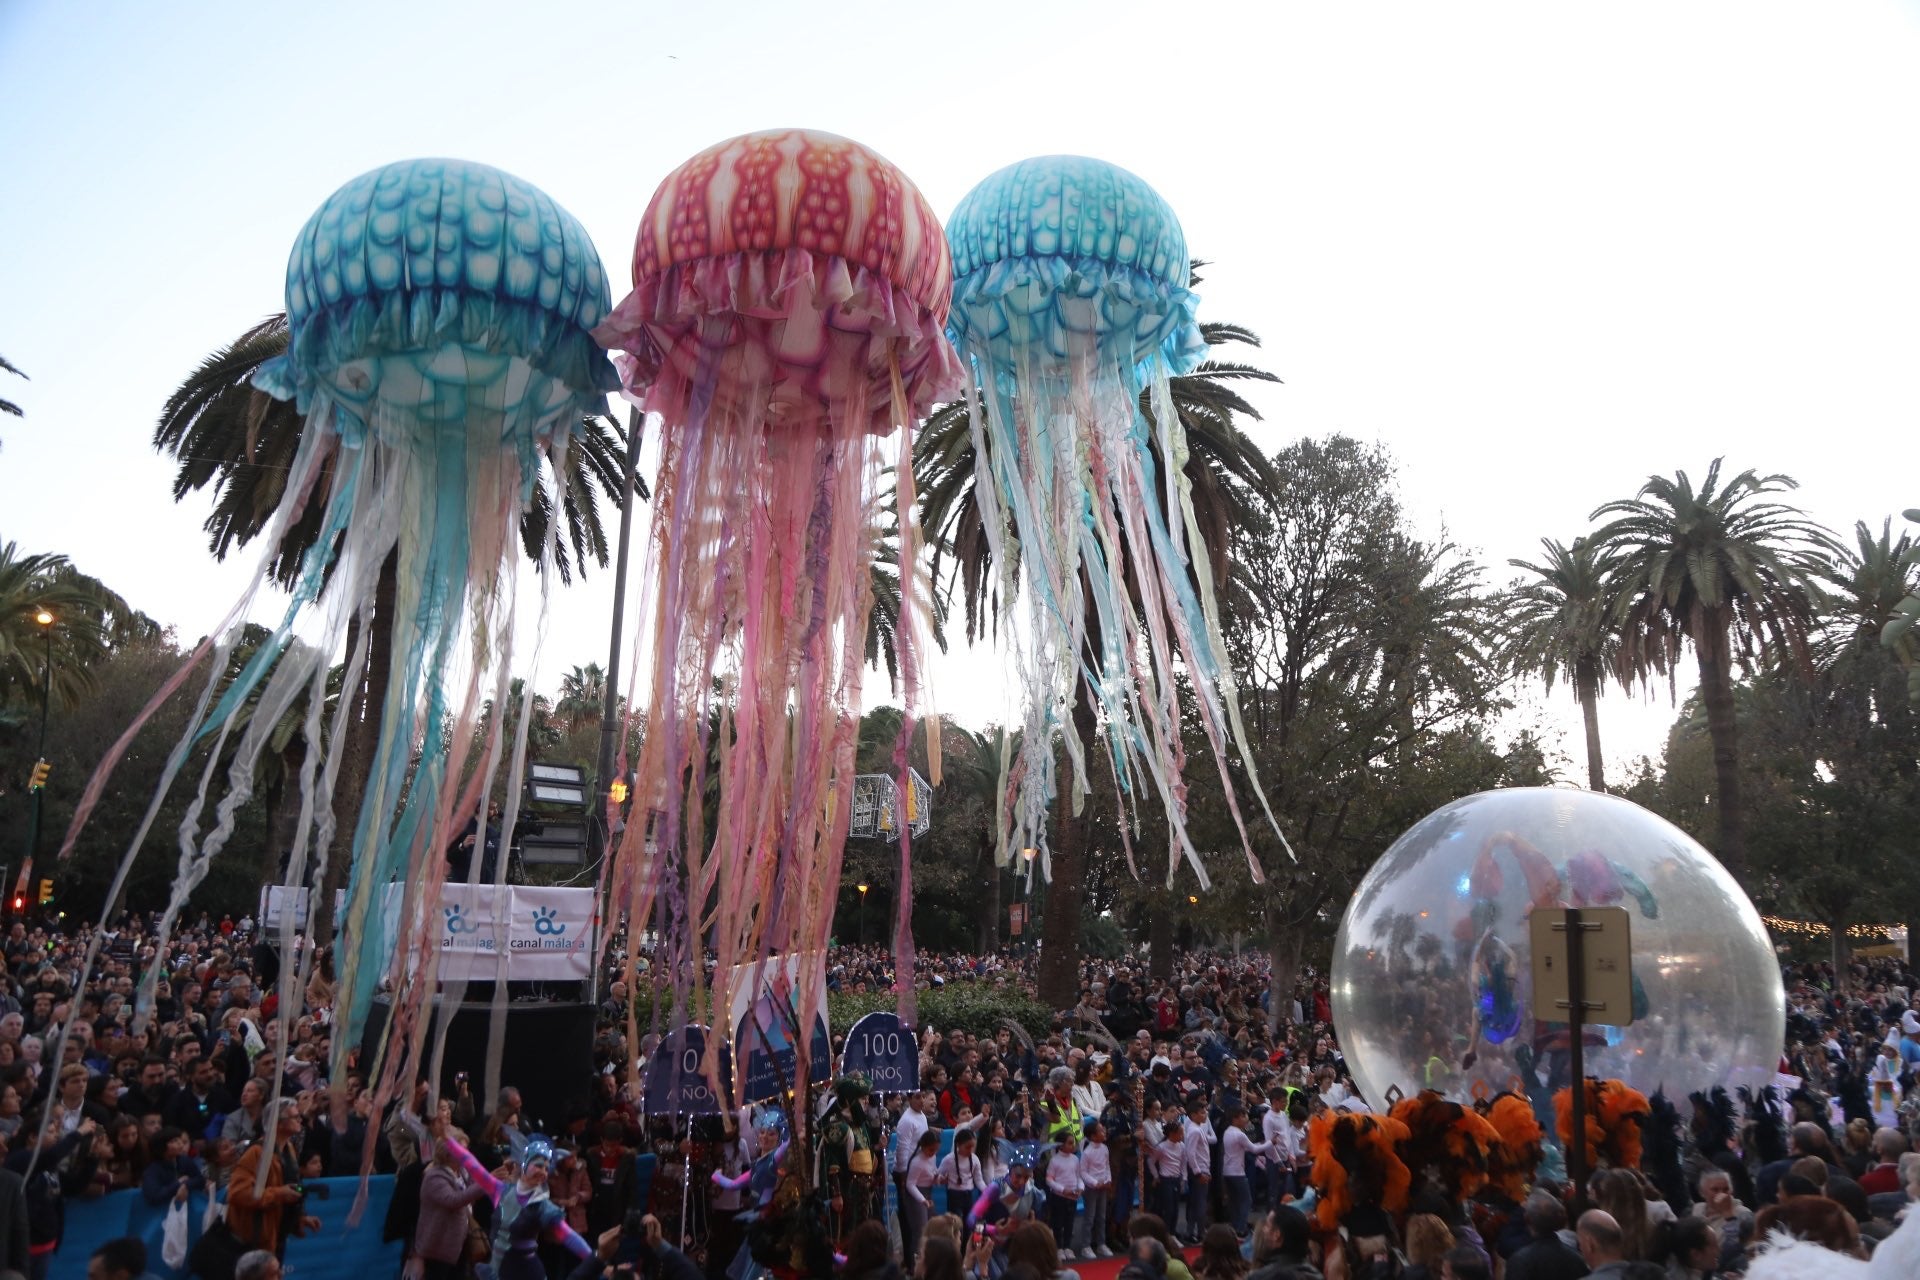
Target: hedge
{"x": 976, "y": 1007}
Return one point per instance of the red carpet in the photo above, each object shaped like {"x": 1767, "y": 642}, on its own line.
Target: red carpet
{"x": 1108, "y": 1268}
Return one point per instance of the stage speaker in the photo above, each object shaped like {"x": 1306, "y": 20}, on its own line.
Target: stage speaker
{"x": 548, "y": 1054}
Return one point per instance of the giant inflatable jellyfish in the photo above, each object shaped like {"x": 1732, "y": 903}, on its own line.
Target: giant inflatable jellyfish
{"x": 1071, "y": 305}
{"x": 1432, "y": 964}
{"x": 439, "y": 354}
{"x": 790, "y": 290}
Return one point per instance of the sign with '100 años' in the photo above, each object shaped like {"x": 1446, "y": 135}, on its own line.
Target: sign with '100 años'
{"x": 882, "y": 1049}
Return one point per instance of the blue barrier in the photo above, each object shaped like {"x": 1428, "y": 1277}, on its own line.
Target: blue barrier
{"x": 331, "y": 1253}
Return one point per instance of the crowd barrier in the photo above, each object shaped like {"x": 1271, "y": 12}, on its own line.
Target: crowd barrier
{"x": 331, "y": 1253}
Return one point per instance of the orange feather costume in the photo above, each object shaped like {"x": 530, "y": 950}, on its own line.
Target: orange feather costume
{"x": 1356, "y": 1164}
{"x": 1613, "y": 1122}
{"x": 1451, "y": 1145}
{"x": 1522, "y": 1141}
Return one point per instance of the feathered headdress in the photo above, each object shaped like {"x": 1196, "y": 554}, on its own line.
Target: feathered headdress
{"x": 1356, "y": 1165}
{"x": 1512, "y": 1163}
{"x": 1811, "y": 1105}
{"x": 1768, "y": 1128}
{"x": 1854, "y": 1102}
{"x": 1716, "y": 1126}
{"x": 1613, "y": 1134}
{"x": 1447, "y": 1145}
{"x": 1661, "y": 1130}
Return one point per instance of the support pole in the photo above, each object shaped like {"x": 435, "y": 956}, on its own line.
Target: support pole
{"x": 686, "y": 1183}
{"x": 598, "y": 829}
{"x": 1577, "y": 1050}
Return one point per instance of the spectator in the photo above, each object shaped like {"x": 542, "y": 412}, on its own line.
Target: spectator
{"x": 1464, "y": 1262}
{"x": 1032, "y": 1244}
{"x": 1282, "y": 1247}
{"x": 13, "y": 1223}
{"x": 868, "y": 1254}
{"x": 1601, "y": 1245}
{"x": 939, "y": 1259}
{"x": 1888, "y": 1146}
{"x": 1546, "y": 1256}
{"x": 259, "y": 1264}
{"x": 121, "y": 1259}
{"x": 440, "y": 1235}
{"x": 171, "y": 1174}
{"x": 1428, "y": 1240}
{"x": 266, "y": 1217}
{"x": 1220, "y": 1255}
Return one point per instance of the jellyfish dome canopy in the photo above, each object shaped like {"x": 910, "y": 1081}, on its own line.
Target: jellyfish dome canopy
{"x": 790, "y": 292}
{"x": 1060, "y": 257}
{"x": 787, "y": 274}
{"x": 1432, "y": 965}
{"x": 1071, "y": 305}
{"x": 430, "y": 287}
{"x": 439, "y": 353}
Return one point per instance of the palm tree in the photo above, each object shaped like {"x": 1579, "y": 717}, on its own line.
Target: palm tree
{"x": 1731, "y": 573}
{"x": 1898, "y": 633}
{"x": 1220, "y": 455}
{"x": 89, "y": 621}
{"x": 583, "y": 696}
{"x": 1866, "y": 584}
{"x": 1564, "y": 622}
{"x": 8, "y": 406}
{"x": 226, "y": 433}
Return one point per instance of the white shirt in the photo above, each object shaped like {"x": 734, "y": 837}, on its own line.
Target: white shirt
{"x": 1198, "y": 1138}
{"x": 1233, "y": 1160}
{"x": 957, "y": 1177}
{"x": 922, "y": 1173}
{"x": 1096, "y": 1167}
{"x": 1169, "y": 1158}
{"x": 907, "y": 1137}
{"x": 1279, "y": 1136}
{"x": 1063, "y": 1175}
{"x": 1090, "y": 1098}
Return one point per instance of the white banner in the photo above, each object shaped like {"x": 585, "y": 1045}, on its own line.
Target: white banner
{"x": 547, "y": 933}
{"x": 551, "y": 934}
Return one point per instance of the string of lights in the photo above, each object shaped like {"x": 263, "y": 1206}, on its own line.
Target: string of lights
{"x": 1814, "y": 929}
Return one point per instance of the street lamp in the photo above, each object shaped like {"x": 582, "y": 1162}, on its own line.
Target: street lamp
{"x": 38, "y": 785}
{"x": 863, "y": 913}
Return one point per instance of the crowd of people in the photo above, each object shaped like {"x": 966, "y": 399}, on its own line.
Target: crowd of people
{"x": 1164, "y": 1120}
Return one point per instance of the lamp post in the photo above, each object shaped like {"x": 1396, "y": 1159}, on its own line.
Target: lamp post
{"x": 39, "y": 784}
{"x": 863, "y": 913}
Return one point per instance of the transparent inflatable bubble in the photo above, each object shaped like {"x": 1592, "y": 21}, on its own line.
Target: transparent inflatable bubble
{"x": 1432, "y": 968}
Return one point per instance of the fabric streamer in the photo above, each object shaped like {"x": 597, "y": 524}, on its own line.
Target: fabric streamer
{"x": 790, "y": 289}
{"x": 1070, "y": 303}
{"x": 439, "y": 353}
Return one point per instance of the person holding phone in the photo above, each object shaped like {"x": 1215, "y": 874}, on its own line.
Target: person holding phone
{"x": 637, "y": 1247}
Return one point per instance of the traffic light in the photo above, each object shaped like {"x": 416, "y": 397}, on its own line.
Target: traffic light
{"x": 40, "y": 771}
{"x": 19, "y": 903}
{"x": 618, "y": 792}
{"x": 46, "y": 892}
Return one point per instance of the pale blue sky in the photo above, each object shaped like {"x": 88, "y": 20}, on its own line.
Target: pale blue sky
{"x": 1538, "y": 251}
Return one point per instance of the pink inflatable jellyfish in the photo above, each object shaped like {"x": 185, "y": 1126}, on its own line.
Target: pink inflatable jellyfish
{"x": 790, "y": 290}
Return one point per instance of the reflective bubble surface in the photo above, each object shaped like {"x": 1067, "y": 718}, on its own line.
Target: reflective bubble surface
{"x": 1432, "y": 967}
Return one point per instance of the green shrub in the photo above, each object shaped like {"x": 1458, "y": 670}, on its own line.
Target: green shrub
{"x": 976, "y": 1007}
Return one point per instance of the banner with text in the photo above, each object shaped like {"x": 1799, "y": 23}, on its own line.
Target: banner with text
{"x": 547, "y": 932}
{"x": 764, "y": 1014}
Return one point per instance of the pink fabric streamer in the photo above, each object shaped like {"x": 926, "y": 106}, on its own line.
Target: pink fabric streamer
{"x": 789, "y": 302}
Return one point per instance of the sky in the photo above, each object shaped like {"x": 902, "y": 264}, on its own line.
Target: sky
{"x": 1538, "y": 251}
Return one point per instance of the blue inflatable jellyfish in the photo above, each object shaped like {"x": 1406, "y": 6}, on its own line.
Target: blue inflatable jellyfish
{"x": 1070, "y": 301}
{"x": 438, "y": 315}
